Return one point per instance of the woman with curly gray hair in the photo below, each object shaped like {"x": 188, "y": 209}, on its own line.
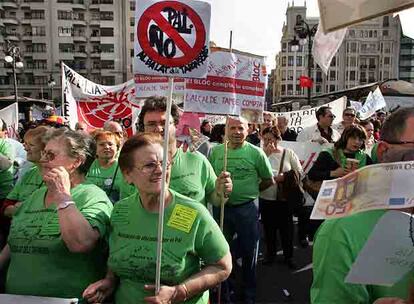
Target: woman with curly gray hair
{"x": 57, "y": 237}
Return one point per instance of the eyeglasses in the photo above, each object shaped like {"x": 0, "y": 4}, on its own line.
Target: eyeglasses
{"x": 48, "y": 155}
{"x": 150, "y": 167}
{"x": 151, "y": 125}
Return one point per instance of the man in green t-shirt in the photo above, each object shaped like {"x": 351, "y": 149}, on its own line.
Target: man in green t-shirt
{"x": 339, "y": 241}
{"x": 191, "y": 173}
{"x": 251, "y": 173}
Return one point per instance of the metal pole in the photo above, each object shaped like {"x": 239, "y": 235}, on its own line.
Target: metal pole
{"x": 309, "y": 65}
{"x": 14, "y": 75}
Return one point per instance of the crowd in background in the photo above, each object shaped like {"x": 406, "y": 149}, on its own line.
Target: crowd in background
{"x": 78, "y": 213}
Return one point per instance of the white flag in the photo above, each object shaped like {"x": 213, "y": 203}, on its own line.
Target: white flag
{"x": 406, "y": 17}
{"x": 325, "y": 46}
{"x": 374, "y": 102}
{"x": 356, "y": 105}
{"x": 10, "y": 115}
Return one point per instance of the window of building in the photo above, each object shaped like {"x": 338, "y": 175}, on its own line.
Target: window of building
{"x": 298, "y": 90}
{"x": 66, "y": 47}
{"x": 290, "y": 89}
{"x": 284, "y": 46}
{"x": 65, "y": 15}
{"x": 387, "y": 60}
{"x": 318, "y": 88}
{"x": 131, "y": 53}
{"x": 78, "y": 16}
{"x": 333, "y": 62}
{"x": 283, "y": 61}
{"x": 39, "y": 64}
{"x": 371, "y": 76}
{"x": 108, "y": 80}
{"x": 95, "y": 33}
{"x": 318, "y": 76}
{"x": 95, "y": 16}
{"x": 386, "y": 21}
{"x": 40, "y": 80}
{"x": 352, "y": 75}
{"x": 332, "y": 88}
{"x": 107, "y": 32}
{"x": 131, "y": 37}
{"x": 385, "y": 33}
{"x": 37, "y": 14}
{"x": 284, "y": 75}
{"x": 38, "y": 48}
{"x": 107, "y": 15}
{"x": 107, "y": 1}
{"x": 386, "y": 75}
{"x": 38, "y": 31}
{"x": 132, "y": 5}
{"x": 351, "y": 33}
{"x": 107, "y": 48}
{"x": 65, "y": 31}
{"x": 132, "y": 21}
{"x": 290, "y": 60}
{"x": 283, "y": 89}
{"x": 107, "y": 64}
{"x": 289, "y": 75}
{"x": 299, "y": 60}
{"x": 332, "y": 75}
{"x": 363, "y": 77}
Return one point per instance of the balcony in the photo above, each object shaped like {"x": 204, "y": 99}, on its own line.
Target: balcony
{"x": 27, "y": 37}
{"x": 95, "y": 55}
{"x": 95, "y": 38}
{"x": 79, "y": 22}
{"x": 10, "y": 4}
{"x": 79, "y": 54}
{"x": 10, "y": 21}
{"x": 363, "y": 66}
{"x": 65, "y": 56}
{"x": 12, "y": 36}
{"x": 95, "y": 22}
{"x": 372, "y": 67}
{"x": 79, "y": 38}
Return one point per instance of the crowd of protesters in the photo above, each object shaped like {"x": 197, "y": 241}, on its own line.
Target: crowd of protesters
{"x": 79, "y": 212}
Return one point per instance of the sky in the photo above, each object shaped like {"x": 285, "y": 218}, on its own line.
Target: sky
{"x": 256, "y": 28}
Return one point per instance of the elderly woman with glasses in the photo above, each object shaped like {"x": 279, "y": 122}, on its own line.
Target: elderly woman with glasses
{"x": 57, "y": 237}
{"x": 195, "y": 255}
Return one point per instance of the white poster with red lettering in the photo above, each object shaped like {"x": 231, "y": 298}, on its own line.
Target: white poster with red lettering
{"x": 235, "y": 85}
{"x": 95, "y": 104}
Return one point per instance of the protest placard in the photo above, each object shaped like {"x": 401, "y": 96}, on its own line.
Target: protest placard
{"x": 387, "y": 255}
{"x": 380, "y": 186}
{"x": 336, "y": 14}
{"x": 10, "y": 116}
{"x": 298, "y": 120}
{"x": 235, "y": 83}
{"x": 18, "y": 299}
{"x": 375, "y": 101}
{"x": 172, "y": 38}
{"x": 94, "y": 104}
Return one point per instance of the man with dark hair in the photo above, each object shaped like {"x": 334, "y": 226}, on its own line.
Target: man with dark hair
{"x": 191, "y": 173}
{"x": 339, "y": 241}
{"x": 322, "y": 132}
{"x": 348, "y": 119}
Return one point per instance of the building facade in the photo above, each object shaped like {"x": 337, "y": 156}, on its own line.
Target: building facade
{"x": 91, "y": 36}
{"x": 407, "y": 59}
{"x": 369, "y": 53}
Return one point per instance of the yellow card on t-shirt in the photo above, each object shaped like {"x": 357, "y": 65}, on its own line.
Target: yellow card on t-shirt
{"x": 182, "y": 218}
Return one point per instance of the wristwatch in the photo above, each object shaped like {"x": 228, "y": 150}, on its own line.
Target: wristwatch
{"x": 64, "y": 205}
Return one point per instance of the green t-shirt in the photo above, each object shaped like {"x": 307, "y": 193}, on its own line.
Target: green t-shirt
{"x": 247, "y": 166}
{"x": 191, "y": 236}
{"x": 6, "y": 176}
{"x": 192, "y": 175}
{"x": 40, "y": 263}
{"x": 337, "y": 245}
{"x": 109, "y": 179}
{"x": 29, "y": 183}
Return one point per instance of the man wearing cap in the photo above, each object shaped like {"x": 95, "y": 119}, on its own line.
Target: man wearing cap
{"x": 251, "y": 173}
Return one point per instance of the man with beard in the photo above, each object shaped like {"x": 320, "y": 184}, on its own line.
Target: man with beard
{"x": 339, "y": 241}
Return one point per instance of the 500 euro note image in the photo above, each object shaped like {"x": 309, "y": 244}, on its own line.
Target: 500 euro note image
{"x": 380, "y": 186}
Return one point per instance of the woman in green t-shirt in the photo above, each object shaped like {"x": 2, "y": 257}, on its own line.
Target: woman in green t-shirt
{"x": 195, "y": 255}
{"x": 56, "y": 245}
{"x": 31, "y": 180}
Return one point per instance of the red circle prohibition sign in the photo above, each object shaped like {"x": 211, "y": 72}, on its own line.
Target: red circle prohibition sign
{"x": 154, "y": 13}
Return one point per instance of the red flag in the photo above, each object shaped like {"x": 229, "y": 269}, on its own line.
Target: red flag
{"x": 305, "y": 82}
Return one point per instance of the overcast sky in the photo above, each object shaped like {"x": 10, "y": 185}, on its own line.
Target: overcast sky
{"x": 257, "y": 24}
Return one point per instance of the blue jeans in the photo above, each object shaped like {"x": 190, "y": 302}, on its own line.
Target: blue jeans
{"x": 243, "y": 221}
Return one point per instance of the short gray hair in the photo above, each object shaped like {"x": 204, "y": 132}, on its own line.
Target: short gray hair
{"x": 77, "y": 145}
